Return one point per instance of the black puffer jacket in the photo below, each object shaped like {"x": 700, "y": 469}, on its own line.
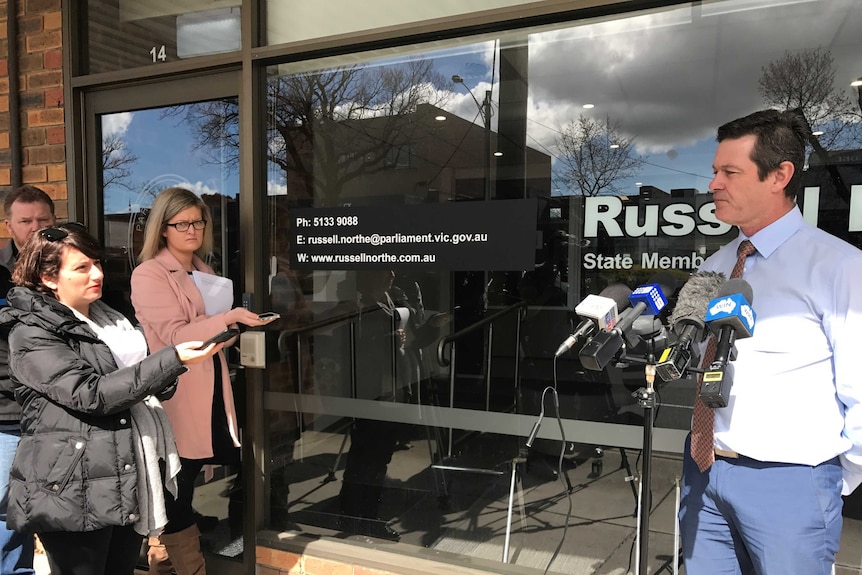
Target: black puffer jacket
{"x": 74, "y": 469}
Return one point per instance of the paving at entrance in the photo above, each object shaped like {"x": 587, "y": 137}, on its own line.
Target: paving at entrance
{"x": 600, "y": 538}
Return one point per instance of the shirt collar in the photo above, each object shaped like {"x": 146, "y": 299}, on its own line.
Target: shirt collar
{"x": 772, "y": 236}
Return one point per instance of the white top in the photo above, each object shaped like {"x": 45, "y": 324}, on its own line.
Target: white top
{"x": 797, "y": 391}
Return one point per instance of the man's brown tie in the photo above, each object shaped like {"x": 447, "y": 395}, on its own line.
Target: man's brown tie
{"x": 703, "y": 418}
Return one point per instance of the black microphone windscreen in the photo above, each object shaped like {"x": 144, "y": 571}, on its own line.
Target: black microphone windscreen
{"x": 619, "y": 293}
{"x": 735, "y": 286}
{"x": 695, "y": 295}
{"x": 665, "y": 280}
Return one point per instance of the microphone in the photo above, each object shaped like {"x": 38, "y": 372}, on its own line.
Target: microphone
{"x": 599, "y": 312}
{"x": 730, "y": 314}
{"x": 687, "y": 322}
{"x": 535, "y": 431}
{"x": 648, "y": 298}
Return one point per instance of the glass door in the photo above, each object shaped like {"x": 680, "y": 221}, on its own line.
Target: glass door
{"x": 148, "y": 140}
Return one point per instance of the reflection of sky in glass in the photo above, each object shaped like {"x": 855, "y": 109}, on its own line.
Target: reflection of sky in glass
{"x": 668, "y": 76}
{"x": 165, "y": 157}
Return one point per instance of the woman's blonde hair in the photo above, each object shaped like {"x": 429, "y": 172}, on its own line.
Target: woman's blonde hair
{"x": 169, "y": 203}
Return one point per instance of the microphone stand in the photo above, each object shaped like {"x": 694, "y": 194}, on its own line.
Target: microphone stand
{"x": 647, "y": 400}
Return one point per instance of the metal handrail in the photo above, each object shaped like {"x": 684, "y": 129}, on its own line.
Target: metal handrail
{"x": 330, "y": 320}
{"x": 444, "y": 341}
{"x": 336, "y": 319}
{"x": 488, "y": 322}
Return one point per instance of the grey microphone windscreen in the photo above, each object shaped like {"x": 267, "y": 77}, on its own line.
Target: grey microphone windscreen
{"x": 694, "y": 297}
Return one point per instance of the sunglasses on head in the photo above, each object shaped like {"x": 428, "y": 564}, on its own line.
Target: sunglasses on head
{"x": 57, "y": 233}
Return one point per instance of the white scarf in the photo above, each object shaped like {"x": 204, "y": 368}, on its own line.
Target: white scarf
{"x": 152, "y": 435}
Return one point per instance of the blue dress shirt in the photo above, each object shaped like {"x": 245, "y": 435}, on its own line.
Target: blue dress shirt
{"x": 797, "y": 391}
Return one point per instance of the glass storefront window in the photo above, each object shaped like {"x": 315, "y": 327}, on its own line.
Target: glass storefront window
{"x": 130, "y": 33}
{"x": 416, "y": 348}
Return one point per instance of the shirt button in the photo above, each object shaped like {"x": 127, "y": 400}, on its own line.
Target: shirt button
{"x": 127, "y": 467}
{"x": 79, "y": 445}
{"x": 133, "y": 517}
{"x": 123, "y": 421}
{"x": 55, "y": 488}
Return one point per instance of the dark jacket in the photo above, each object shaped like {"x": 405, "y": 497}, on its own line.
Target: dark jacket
{"x": 8, "y": 255}
{"x": 74, "y": 469}
{"x": 10, "y": 411}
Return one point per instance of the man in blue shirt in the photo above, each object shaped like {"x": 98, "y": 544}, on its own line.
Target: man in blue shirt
{"x": 762, "y": 485}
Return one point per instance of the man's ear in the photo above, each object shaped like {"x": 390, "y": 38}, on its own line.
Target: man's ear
{"x": 783, "y": 174}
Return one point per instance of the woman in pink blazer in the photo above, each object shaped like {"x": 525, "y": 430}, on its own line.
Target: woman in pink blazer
{"x": 171, "y": 309}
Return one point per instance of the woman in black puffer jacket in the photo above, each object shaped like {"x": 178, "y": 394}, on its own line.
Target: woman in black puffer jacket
{"x": 81, "y": 373}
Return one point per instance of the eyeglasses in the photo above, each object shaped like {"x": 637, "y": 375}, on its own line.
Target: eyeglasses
{"x": 184, "y": 226}
{"x": 57, "y": 233}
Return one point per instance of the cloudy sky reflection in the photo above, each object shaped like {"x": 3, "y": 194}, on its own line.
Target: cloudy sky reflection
{"x": 667, "y": 77}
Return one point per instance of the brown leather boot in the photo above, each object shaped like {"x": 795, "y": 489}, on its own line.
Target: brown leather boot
{"x": 157, "y": 558}
{"x": 184, "y": 549}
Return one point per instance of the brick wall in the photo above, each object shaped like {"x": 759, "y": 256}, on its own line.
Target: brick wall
{"x": 40, "y": 65}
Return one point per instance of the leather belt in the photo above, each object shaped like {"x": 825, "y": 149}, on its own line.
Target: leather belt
{"x": 725, "y": 453}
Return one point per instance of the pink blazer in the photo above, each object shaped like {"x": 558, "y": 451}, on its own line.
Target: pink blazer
{"x": 171, "y": 310}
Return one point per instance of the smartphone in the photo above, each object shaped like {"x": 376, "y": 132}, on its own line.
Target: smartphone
{"x": 221, "y": 337}
{"x": 268, "y": 315}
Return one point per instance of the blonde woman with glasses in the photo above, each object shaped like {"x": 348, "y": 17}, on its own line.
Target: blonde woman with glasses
{"x": 171, "y": 308}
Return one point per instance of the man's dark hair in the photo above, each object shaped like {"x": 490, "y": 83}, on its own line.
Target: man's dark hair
{"x": 780, "y": 137}
{"x": 27, "y": 194}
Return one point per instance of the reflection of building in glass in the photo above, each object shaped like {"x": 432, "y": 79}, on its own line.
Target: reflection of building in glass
{"x": 429, "y": 155}
{"x": 828, "y": 198}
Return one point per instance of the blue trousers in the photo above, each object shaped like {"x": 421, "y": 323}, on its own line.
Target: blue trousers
{"x": 744, "y": 516}
{"x": 16, "y": 548}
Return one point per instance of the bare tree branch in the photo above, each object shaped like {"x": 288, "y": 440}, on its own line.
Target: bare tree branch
{"x": 594, "y": 155}
{"x": 805, "y": 80}
{"x": 116, "y": 162}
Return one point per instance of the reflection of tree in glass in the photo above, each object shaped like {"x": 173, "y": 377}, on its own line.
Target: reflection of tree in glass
{"x": 116, "y": 162}
{"x": 326, "y": 129}
{"x": 594, "y": 154}
{"x": 806, "y": 80}
{"x": 215, "y": 127}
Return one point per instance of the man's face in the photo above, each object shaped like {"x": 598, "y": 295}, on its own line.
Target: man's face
{"x": 24, "y": 218}
{"x": 741, "y": 198}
